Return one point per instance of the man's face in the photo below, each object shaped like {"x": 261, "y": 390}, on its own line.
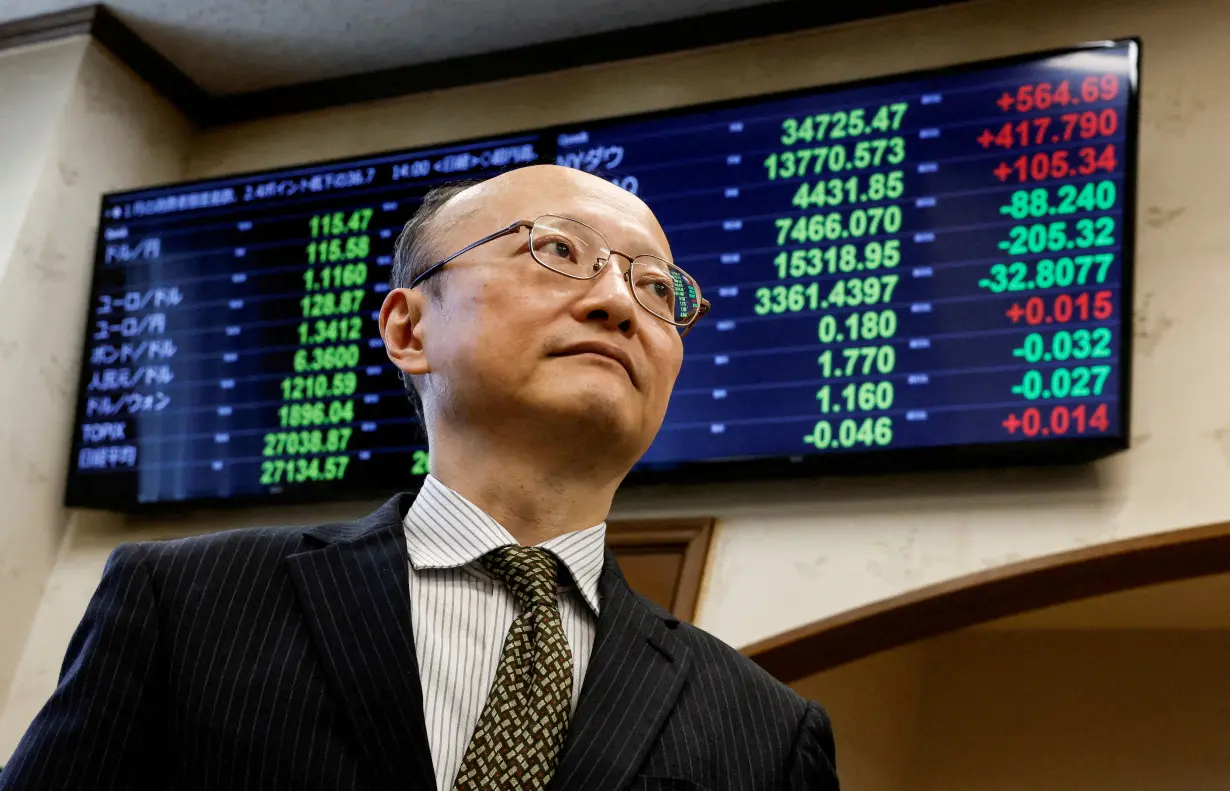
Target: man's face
{"x": 501, "y": 343}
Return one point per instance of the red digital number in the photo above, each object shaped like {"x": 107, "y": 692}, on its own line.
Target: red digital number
{"x": 1058, "y": 420}
{"x": 1044, "y": 95}
{"x": 1046, "y": 165}
{"x": 1062, "y": 308}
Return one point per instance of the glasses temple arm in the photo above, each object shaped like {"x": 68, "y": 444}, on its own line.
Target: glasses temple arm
{"x": 431, "y": 270}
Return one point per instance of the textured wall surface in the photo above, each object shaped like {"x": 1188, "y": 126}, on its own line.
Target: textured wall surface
{"x": 109, "y": 131}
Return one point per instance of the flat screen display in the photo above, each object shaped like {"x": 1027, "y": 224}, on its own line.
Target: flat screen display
{"x": 910, "y": 272}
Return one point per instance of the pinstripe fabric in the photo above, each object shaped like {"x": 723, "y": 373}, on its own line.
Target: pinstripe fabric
{"x": 461, "y": 616}
{"x": 284, "y": 659}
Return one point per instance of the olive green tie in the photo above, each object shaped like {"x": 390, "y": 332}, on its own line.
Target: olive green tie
{"x": 517, "y": 741}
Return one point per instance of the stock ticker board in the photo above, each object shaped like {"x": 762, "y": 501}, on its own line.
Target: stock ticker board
{"x": 916, "y": 268}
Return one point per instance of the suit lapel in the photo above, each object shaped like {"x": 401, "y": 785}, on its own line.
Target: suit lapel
{"x": 635, "y": 674}
{"x": 354, "y": 590}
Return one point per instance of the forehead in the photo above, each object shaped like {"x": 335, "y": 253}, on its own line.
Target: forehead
{"x": 532, "y": 192}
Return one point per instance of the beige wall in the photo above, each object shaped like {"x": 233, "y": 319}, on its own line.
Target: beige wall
{"x": 786, "y": 554}
{"x": 81, "y": 124}
{"x": 1141, "y": 710}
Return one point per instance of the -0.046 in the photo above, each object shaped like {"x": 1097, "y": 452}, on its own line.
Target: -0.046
{"x": 867, "y": 432}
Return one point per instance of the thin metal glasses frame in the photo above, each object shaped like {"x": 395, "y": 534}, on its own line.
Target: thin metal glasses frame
{"x": 515, "y": 227}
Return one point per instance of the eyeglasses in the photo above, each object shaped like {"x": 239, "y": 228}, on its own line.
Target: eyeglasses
{"x": 575, "y": 250}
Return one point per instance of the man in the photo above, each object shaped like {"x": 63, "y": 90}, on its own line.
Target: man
{"x": 477, "y": 637}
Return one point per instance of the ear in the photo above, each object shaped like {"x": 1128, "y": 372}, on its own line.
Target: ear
{"x": 401, "y": 328}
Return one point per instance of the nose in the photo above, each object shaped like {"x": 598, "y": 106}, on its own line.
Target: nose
{"x": 609, "y": 299}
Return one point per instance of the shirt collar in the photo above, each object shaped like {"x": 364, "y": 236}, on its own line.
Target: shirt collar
{"x": 445, "y": 530}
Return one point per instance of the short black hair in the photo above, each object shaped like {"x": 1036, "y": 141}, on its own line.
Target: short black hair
{"x": 414, "y": 253}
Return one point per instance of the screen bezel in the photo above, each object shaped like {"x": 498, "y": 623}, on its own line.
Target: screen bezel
{"x": 932, "y": 458}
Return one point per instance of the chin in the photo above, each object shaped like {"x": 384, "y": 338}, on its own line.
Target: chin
{"x": 602, "y": 412}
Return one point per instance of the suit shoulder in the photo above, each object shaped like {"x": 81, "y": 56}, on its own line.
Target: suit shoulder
{"x": 247, "y": 539}
{"x": 725, "y": 665}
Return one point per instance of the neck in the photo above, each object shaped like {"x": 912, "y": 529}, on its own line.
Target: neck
{"x": 535, "y": 498}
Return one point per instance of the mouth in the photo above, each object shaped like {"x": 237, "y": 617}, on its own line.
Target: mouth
{"x": 603, "y": 350}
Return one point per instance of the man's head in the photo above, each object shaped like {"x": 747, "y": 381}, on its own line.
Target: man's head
{"x": 516, "y": 356}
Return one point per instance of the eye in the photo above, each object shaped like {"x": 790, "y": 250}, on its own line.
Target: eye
{"x": 558, "y": 247}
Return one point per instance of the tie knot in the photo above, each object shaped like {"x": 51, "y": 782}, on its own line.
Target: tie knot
{"x": 529, "y": 572}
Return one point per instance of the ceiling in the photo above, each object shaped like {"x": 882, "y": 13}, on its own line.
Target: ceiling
{"x": 1200, "y": 603}
{"x": 236, "y": 46}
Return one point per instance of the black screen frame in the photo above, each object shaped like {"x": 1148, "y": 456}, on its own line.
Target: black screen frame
{"x": 1034, "y": 453}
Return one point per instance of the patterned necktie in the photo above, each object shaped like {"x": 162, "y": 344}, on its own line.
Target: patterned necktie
{"x": 517, "y": 741}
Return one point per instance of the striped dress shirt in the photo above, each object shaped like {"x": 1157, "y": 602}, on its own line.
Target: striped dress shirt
{"x": 461, "y": 615}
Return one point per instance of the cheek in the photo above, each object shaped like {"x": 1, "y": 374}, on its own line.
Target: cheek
{"x": 498, "y": 330}
{"x": 667, "y": 354}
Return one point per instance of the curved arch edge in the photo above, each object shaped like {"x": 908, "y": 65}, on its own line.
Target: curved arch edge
{"x": 984, "y": 596}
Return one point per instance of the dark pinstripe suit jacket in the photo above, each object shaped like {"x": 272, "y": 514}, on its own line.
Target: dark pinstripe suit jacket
{"x": 284, "y": 659}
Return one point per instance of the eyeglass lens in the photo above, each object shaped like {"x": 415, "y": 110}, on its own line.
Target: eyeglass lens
{"x": 579, "y": 251}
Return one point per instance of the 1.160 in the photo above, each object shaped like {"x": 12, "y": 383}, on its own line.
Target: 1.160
{"x": 857, "y": 397}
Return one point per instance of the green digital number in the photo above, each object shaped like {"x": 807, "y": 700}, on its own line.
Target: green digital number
{"x": 813, "y": 261}
{"x": 851, "y": 433}
{"x": 857, "y": 361}
{"x": 843, "y": 124}
{"x": 339, "y": 223}
{"x": 1079, "y": 382}
{"x": 1082, "y": 344}
{"x": 1068, "y": 199}
{"x": 866, "y": 326}
{"x": 1054, "y": 236}
{"x": 1078, "y": 270}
